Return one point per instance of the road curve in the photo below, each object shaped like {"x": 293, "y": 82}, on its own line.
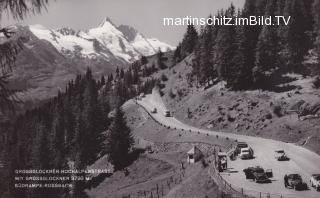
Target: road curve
{"x": 303, "y": 161}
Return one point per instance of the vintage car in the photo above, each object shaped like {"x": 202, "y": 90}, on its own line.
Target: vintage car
{"x": 315, "y": 181}
{"x": 142, "y": 95}
{"x": 295, "y": 182}
{"x": 280, "y": 155}
{"x": 246, "y": 153}
{"x": 257, "y": 174}
{"x": 239, "y": 146}
{"x": 154, "y": 110}
{"x": 167, "y": 114}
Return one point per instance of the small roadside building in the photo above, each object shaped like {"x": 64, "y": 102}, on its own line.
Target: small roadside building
{"x": 194, "y": 155}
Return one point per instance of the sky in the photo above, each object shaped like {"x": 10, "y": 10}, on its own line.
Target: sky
{"x": 144, "y": 15}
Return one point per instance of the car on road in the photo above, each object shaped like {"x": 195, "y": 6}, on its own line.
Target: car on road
{"x": 239, "y": 146}
{"x": 142, "y": 95}
{"x": 246, "y": 153}
{"x": 154, "y": 110}
{"x": 280, "y": 155}
{"x": 315, "y": 181}
{"x": 257, "y": 174}
{"x": 295, "y": 182}
{"x": 167, "y": 114}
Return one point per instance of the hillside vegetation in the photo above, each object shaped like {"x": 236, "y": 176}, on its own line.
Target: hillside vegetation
{"x": 259, "y": 81}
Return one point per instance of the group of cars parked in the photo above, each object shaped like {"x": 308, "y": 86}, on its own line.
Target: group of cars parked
{"x": 260, "y": 175}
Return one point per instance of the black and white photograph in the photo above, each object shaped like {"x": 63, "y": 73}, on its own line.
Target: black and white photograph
{"x": 159, "y": 98}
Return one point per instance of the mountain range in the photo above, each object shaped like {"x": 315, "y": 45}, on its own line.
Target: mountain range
{"x": 52, "y": 57}
{"x": 106, "y": 41}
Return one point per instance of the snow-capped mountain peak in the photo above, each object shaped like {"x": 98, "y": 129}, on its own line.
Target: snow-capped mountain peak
{"x": 67, "y": 31}
{"x": 105, "y": 41}
{"x": 129, "y": 32}
{"x": 106, "y": 21}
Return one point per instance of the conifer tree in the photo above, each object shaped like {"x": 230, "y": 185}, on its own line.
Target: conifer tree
{"x": 225, "y": 47}
{"x": 189, "y": 41}
{"x": 297, "y": 41}
{"x": 239, "y": 75}
{"x": 267, "y": 52}
{"x": 119, "y": 140}
{"x": 177, "y": 54}
{"x": 316, "y": 13}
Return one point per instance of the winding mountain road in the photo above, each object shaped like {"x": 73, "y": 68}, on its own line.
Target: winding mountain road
{"x": 302, "y": 160}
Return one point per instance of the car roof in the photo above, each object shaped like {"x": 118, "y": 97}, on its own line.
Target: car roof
{"x": 317, "y": 176}
{"x": 294, "y": 175}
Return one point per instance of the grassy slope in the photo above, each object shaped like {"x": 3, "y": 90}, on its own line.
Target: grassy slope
{"x": 243, "y": 112}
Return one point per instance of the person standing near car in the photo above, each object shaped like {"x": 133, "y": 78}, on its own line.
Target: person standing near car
{"x": 286, "y": 180}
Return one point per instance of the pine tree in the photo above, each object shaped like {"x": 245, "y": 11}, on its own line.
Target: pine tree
{"x": 177, "y": 54}
{"x": 102, "y": 81}
{"x": 225, "y": 48}
{"x": 144, "y": 60}
{"x": 267, "y": 51}
{"x": 119, "y": 140}
{"x": 297, "y": 41}
{"x": 189, "y": 41}
{"x": 93, "y": 118}
{"x": 316, "y": 13}
{"x": 58, "y": 133}
{"x": 121, "y": 73}
{"x": 249, "y": 38}
{"x": 160, "y": 62}
{"x": 239, "y": 75}
{"x": 206, "y": 62}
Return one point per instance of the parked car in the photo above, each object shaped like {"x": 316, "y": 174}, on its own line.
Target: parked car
{"x": 295, "y": 182}
{"x": 167, "y": 114}
{"x": 142, "y": 95}
{"x": 246, "y": 153}
{"x": 257, "y": 174}
{"x": 269, "y": 173}
{"x": 239, "y": 146}
{"x": 315, "y": 181}
{"x": 280, "y": 155}
{"x": 154, "y": 110}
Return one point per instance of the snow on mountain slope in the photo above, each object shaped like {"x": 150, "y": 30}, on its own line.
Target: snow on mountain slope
{"x": 137, "y": 40}
{"x": 64, "y": 43}
{"x": 160, "y": 45}
{"x": 106, "y": 41}
{"x": 108, "y": 34}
